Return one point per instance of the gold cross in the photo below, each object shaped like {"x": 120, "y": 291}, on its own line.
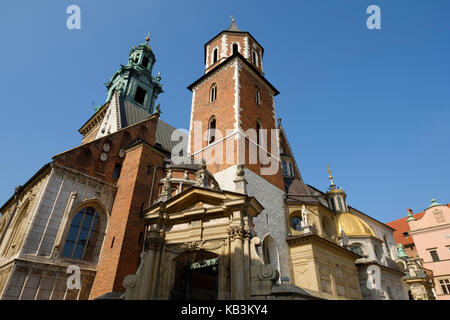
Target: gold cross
{"x": 147, "y": 38}
{"x": 232, "y": 19}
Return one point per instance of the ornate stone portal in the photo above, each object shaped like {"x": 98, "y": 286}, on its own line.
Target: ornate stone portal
{"x": 201, "y": 244}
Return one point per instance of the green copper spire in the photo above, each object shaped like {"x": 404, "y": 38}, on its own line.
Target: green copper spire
{"x": 134, "y": 81}
{"x": 410, "y": 215}
{"x": 434, "y": 203}
{"x": 401, "y": 251}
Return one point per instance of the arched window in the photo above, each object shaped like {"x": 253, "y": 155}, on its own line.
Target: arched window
{"x": 333, "y": 206}
{"x": 212, "y": 130}
{"x": 296, "y": 222}
{"x": 213, "y": 93}
{"x": 257, "y": 96}
{"x": 235, "y": 48}
{"x": 356, "y": 248}
{"x": 83, "y": 235}
{"x": 215, "y": 52}
{"x": 255, "y": 58}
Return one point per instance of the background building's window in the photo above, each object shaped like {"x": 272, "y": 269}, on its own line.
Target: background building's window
{"x": 258, "y": 133}
{"x": 83, "y": 234}
{"x": 434, "y": 255}
{"x": 140, "y": 95}
{"x": 445, "y": 285}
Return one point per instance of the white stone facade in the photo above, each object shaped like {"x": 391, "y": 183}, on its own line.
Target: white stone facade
{"x": 272, "y": 219}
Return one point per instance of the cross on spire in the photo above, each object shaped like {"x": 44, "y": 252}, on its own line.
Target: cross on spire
{"x": 329, "y": 175}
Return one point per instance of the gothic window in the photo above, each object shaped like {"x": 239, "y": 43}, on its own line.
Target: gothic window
{"x": 83, "y": 235}
{"x": 255, "y": 58}
{"x": 434, "y": 255}
{"x": 212, "y": 130}
{"x": 213, "y": 93}
{"x": 445, "y": 285}
{"x": 257, "y": 96}
{"x": 405, "y": 234}
{"x": 140, "y": 95}
{"x": 258, "y": 132}
{"x": 215, "y": 55}
{"x": 145, "y": 62}
{"x": 326, "y": 225}
{"x": 235, "y": 48}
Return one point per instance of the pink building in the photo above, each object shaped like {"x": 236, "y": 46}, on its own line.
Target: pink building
{"x": 431, "y": 235}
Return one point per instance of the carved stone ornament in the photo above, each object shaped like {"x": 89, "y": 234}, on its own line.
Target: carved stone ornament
{"x": 268, "y": 272}
{"x": 153, "y": 243}
{"x": 238, "y": 232}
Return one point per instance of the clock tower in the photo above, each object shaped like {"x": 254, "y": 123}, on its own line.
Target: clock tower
{"x": 233, "y": 123}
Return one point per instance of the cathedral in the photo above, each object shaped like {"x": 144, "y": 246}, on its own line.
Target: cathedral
{"x": 147, "y": 212}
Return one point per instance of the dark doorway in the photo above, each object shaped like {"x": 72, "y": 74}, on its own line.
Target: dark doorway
{"x": 196, "y": 276}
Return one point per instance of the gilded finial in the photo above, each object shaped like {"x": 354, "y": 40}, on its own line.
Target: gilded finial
{"x": 329, "y": 175}
{"x": 147, "y": 38}
{"x": 232, "y": 19}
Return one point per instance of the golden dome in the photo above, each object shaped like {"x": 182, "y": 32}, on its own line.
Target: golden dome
{"x": 352, "y": 225}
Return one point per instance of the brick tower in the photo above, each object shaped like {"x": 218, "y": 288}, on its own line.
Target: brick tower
{"x": 233, "y": 122}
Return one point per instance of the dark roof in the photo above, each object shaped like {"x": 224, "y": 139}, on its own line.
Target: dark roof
{"x": 130, "y": 113}
{"x": 251, "y": 66}
{"x": 164, "y": 134}
{"x": 234, "y": 27}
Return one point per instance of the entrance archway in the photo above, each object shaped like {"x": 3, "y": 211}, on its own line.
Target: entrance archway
{"x": 196, "y": 276}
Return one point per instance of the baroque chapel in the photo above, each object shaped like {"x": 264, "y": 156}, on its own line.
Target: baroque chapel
{"x": 223, "y": 214}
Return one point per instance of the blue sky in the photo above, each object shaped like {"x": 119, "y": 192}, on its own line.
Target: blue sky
{"x": 375, "y": 104}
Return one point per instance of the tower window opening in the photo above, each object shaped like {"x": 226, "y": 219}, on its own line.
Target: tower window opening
{"x": 255, "y": 58}
{"x": 215, "y": 56}
{"x": 333, "y": 207}
{"x": 140, "y": 95}
{"x": 145, "y": 62}
{"x": 258, "y": 132}
{"x": 257, "y": 96}
{"x": 212, "y": 130}
{"x": 213, "y": 93}
{"x": 339, "y": 203}
{"x": 235, "y": 48}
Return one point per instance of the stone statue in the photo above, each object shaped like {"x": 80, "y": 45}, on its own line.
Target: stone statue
{"x": 304, "y": 217}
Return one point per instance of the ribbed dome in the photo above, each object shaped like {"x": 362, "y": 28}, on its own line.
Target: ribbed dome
{"x": 352, "y": 225}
